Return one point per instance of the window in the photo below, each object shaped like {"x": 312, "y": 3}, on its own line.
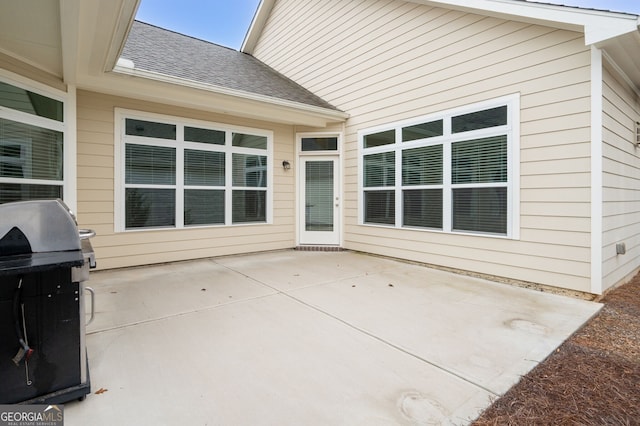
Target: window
{"x": 177, "y": 175}
{"x": 31, "y": 145}
{"x": 450, "y": 172}
{"x": 319, "y": 144}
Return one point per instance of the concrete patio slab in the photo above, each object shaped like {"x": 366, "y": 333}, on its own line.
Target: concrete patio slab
{"x": 149, "y": 293}
{"x": 310, "y": 338}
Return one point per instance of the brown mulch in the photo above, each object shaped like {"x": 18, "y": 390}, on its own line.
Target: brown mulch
{"x": 591, "y": 379}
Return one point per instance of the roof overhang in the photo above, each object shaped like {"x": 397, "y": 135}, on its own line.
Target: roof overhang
{"x": 80, "y": 42}
{"x": 597, "y": 25}
{"x": 30, "y": 33}
{"x": 257, "y": 25}
{"x": 616, "y": 33}
{"x": 97, "y": 31}
{"x": 66, "y": 38}
{"x": 624, "y": 53}
{"x": 135, "y": 83}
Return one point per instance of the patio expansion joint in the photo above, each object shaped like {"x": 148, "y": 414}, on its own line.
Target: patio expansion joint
{"x": 365, "y": 332}
{"x": 178, "y": 314}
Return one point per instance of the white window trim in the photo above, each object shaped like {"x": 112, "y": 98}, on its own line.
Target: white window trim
{"x": 67, "y": 127}
{"x": 512, "y": 129}
{"x": 597, "y": 170}
{"x": 300, "y": 136}
{"x": 180, "y": 122}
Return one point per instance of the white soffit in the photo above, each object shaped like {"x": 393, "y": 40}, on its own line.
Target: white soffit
{"x": 102, "y": 29}
{"x": 30, "y": 32}
{"x": 597, "y": 25}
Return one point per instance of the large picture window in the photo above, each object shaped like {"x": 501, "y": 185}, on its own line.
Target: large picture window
{"x": 31, "y": 145}
{"x": 177, "y": 175}
{"x": 449, "y": 172}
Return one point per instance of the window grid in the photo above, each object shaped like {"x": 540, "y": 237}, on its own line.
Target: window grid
{"x": 190, "y": 194}
{"x": 416, "y": 200}
{"x": 32, "y": 154}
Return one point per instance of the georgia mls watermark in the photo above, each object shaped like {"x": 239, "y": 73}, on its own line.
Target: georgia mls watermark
{"x": 31, "y": 415}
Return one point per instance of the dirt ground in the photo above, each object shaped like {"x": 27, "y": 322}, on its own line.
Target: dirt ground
{"x": 591, "y": 379}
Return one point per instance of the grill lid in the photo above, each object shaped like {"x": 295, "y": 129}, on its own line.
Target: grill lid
{"x": 15, "y": 242}
{"x": 37, "y": 226}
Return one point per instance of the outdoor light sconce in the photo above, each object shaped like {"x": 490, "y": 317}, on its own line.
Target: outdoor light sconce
{"x": 286, "y": 165}
{"x": 637, "y": 133}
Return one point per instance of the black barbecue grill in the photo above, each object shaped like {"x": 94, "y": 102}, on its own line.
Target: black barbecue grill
{"x": 44, "y": 262}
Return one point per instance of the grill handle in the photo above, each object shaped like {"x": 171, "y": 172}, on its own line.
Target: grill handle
{"x": 93, "y": 304}
{"x": 85, "y": 234}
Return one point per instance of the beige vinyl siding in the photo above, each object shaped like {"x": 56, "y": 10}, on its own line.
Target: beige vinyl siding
{"x": 96, "y": 193}
{"x": 621, "y": 179}
{"x": 387, "y": 61}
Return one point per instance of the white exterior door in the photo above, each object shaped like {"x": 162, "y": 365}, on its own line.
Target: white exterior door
{"x": 319, "y": 200}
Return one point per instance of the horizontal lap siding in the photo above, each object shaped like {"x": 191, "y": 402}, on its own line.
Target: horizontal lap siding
{"x": 96, "y": 193}
{"x": 386, "y": 61}
{"x": 621, "y": 180}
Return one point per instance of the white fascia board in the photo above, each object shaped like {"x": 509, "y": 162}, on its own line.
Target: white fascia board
{"x": 325, "y": 113}
{"x": 125, "y": 16}
{"x": 257, "y": 25}
{"x": 597, "y": 25}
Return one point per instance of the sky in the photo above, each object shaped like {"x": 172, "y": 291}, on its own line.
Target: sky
{"x": 226, "y": 22}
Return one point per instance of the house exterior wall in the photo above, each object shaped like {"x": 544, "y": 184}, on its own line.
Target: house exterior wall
{"x": 96, "y": 171}
{"x": 621, "y": 178}
{"x": 384, "y": 62}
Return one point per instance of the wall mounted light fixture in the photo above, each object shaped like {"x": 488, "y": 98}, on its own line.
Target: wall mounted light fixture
{"x": 286, "y": 165}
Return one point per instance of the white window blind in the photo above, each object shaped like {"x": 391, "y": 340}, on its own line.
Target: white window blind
{"x": 178, "y": 175}
{"x": 453, "y": 174}
{"x": 31, "y": 145}
{"x": 319, "y": 195}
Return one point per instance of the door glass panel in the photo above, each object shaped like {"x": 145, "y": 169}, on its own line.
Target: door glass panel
{"x": 319, "y": 196}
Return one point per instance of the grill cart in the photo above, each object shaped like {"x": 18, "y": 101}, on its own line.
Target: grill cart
{"x": 44, "y": 262}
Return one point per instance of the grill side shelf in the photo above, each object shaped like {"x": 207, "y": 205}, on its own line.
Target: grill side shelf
{"x": 40, "y": 262}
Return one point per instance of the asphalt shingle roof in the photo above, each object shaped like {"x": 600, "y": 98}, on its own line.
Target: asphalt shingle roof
{"x": 166, "y": 52}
